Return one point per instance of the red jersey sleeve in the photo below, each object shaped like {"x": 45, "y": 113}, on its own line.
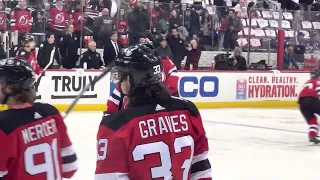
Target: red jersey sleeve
{"x": 13, "y": 20}
{"x": 170, "y": 72}
{"x": 67, "y": 152}
{"x": 311, "y": 88}
{"x": 200, "y": 166}
{"x": 51, "y": 18}
{"x": 112, "y": 160}
{"x": 115, "y": 101}
{"x": 6, "y": 153}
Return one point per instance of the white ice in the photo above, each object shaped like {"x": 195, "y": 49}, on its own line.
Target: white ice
{"x": 245, "y": 144}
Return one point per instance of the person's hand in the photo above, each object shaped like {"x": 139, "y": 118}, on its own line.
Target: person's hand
{"x": 235, "y": 61}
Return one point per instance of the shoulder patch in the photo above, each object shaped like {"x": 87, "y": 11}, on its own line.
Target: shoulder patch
{"x": 41, "y": 45}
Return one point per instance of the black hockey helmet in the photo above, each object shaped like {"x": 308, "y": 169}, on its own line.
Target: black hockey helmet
{"x": 26, "y": 39}
{"x": 140, "y": 62}
{"x": 315, "y": 73}
{"x": 16, "y": 73}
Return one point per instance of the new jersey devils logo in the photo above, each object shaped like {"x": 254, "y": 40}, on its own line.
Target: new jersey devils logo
{"x": 59, "y": 18}
{"x": 23, "y": 20}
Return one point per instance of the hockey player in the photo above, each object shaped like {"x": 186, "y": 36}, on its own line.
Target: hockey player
{"x": 310, "y": 104}
{"x": 28, "y": 53}
{"x": 36, "y": 145}
{"x": 159, "y": 136}
{"x": 169, "y": 76}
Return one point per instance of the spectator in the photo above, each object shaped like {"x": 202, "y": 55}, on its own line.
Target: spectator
{"x": 206, "y": 28}
{"x": 159, "y": 37}
{"x": 313, "y": 44}
{"x": 139, "y": 22}
{"x": 289, "y": 58}
{"x": 58, "y": 20}
{"x": 175, "y": 20}
{"x": 155, "y": 12}
{"x": 69, "y": 48}
{"x": 241, "y": 9}
{"x": 3, "y": 18}
{"x": 21, "y": 19}
{"x": 193, "y": 55}
{"x": 122, "y": 23}
{"x": 177, "y": 46}
{"x": 77, "y": 18}
{"x": 191, "y": 22}
{"x": 305, "y": 5}
{"x": 91, "y": 58}
{"x": 111, "y": 49}
{"x": 44, "y": 53}
{"x": 252, "y": 11}
{"x": 300, "y": 47}
{"x": 239, "y": 62}
{"x": 102, "y": 27}
{"x": 233, "y": 27}
{"x": 164, "y": 50}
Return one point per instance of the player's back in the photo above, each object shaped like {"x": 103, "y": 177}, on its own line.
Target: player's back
{"x": 37, "y": 146}
{"x": 311, "y": 88}
{"x": 159, "y": 140}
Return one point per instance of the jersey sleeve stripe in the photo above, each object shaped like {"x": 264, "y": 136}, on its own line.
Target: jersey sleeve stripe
{"x": 70, "y": 167}
{"x": 112, "y": 176}
{"x": 200, "y": 157}
{"x": 116, "y": 92}
{"x": 68, "y": 151}
{"x": 69, "y": 159}
{"x": 201, "y": 175}
{"x": 200, "y": 166}
{"x": 3, "y": 173}
{"x": 115, "y": 101}
{"x": 174, "y": 69}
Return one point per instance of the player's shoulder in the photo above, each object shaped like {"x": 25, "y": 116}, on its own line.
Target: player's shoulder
{"x": 12, "y": 119}
{"x": 118, "y": 119}
{"x": 177, "y": 103}
{"x": 23, "y": 53}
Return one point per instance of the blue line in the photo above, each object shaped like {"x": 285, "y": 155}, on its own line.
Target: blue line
{"x": 257, "y": 127}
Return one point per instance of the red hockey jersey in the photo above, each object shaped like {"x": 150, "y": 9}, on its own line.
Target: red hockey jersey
{"x": 77, "y": 20}
{"x": 37, "y": 145}
{"x": 168, "y": 76}
{"x": 165, "y": 140}
{"x": 58, "y": 19}
{"x": 3, "y": 21}
{"x": 311, "y": 88}
{"x": 31, "y": 58}
{"x": 21, "y": 20}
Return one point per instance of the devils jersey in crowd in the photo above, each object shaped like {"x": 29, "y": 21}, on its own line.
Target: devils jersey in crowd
{"x": 168, "y": 76}
{"x": 31, "y": 58}
{"x": 164, "y": 140}
{"x": 3, "y": 21}
{"x": 58, "y": 18}
{"x": 311, "y": 88}
{"x": 37, "y": 145}
{"x": 21, "y": 20}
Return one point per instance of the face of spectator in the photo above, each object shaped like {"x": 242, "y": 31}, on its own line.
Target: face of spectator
{"x": 174, "y": 13}
{"x": 193, "y": 43}
{"x": 22, "y": 3}
{"x": 174, "y": 32}
{"x": 289, "y": 49}
{"x": 164, "y": 43}
{"x": 114, "y": 37}
{"x": 122, "y": 12}
{"x": 51, "y": 39}
{"x": 59, "y": 3}
{"x": 236, "y": 53}
{"x": 156, "y": 4}
{"x": 188, "y": 13}
{"x": 206, "y": 14}
{"x": 70, "y": 29}
{"x": 231, "y": 14}
{"x": 92, "y": 46}
{"x": 142, "y": 40}
{"x": 301, "y": 37}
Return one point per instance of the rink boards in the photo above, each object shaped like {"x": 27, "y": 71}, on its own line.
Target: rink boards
{"x": 207, "y": 89}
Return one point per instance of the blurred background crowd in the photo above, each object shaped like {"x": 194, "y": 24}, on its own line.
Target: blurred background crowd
{"x": 180, "y": 29}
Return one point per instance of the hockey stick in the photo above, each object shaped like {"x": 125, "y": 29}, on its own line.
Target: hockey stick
{"x": 75, "y": 101}
{"x": 48, "y": 65}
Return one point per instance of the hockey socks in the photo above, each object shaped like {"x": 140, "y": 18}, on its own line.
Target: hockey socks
{"x": 313, "y": 127}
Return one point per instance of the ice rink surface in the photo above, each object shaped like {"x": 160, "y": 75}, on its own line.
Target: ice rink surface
{"x": 245, "y": 144}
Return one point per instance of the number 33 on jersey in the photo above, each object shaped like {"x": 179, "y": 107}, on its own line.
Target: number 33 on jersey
{"x": 153, "y": 142}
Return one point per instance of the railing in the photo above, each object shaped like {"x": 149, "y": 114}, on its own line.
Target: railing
{"x": 256, "y": 29}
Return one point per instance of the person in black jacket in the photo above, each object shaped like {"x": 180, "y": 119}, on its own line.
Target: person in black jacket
{"x": 44, "y": 53}
{"x": 91, "y": 58}
{"x": 178, "y": 47}
{"x": 69, "y": 48}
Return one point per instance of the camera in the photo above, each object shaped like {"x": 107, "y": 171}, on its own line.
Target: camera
{"x": 223, "y": 62}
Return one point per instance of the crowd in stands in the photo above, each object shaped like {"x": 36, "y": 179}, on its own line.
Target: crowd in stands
{"x": 180, "y": 31}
